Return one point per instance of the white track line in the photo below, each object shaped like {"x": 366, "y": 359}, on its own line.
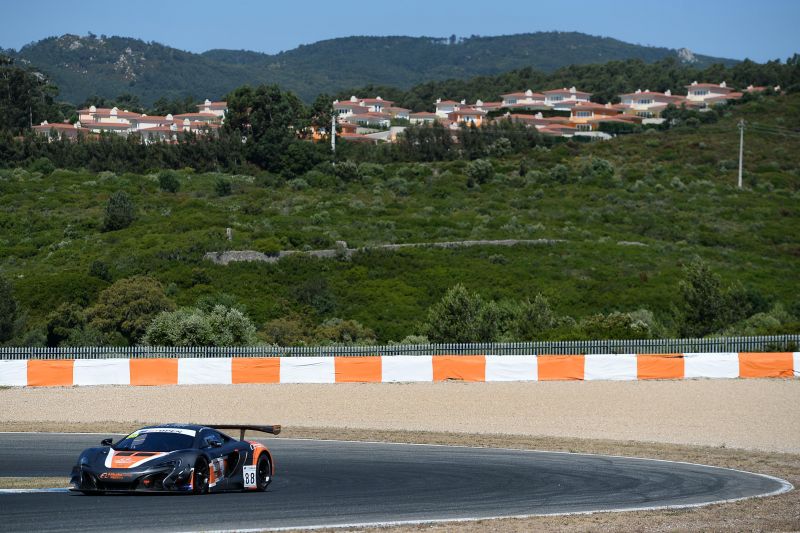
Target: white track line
{"x": 30, "y": 491}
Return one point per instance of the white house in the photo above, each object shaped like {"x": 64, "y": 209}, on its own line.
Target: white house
{"x": 522, "y": 99}
{"x": 217, "y": 108}
{"x": 557, "y": 97}
{"x": 700, "y": 92}
{"x": 445, "y": 107}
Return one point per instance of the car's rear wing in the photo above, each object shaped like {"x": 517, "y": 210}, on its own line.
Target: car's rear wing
{"x": 272, "y": 430}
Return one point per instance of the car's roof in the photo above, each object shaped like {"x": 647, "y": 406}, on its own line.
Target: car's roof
{"x": 193, "y": 427}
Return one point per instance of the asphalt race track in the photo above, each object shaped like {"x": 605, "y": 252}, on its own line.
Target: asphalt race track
{"x": 333, "y": 482}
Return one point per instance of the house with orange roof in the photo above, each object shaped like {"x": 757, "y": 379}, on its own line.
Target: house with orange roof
{"x": 523, "y": 99}
{"x": 423, "y": 117}
{"x": 445, "y": 107}
{"x": 60, "y": 130}
{"x": 711, "y": 93}
{"x": 583, "y": 114}
{"x": 467, "y": 116}
{"x": 220, "y": 109}
{"x": 562, "y": 98}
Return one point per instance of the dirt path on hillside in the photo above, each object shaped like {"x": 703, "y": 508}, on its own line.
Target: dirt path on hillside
{"x": 749, "y": 414}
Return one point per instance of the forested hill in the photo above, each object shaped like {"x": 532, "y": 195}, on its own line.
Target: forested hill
{"x": 110, "y": 66}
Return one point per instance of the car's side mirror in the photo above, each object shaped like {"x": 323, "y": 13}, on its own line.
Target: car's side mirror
{"x": 106, "y": 442}
{"x": 214, "y": 443}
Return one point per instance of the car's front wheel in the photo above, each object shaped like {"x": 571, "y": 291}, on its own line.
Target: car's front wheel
{"x": 200, "y": 477}
{"x": 263, "y": 472}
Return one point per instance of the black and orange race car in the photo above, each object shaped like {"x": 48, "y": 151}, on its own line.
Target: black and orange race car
{"x": 185, "y": 458}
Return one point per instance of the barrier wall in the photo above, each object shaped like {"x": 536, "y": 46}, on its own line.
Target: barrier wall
{"x": 386, "y": 369}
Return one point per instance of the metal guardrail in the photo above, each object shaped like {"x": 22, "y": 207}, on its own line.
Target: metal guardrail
{"x": 719, "y": 344}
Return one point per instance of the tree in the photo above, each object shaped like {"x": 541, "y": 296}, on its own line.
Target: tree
{"x": 8, "y": 311}
{"x": 480, "y": 171}
{"x": 614, "y": 325}
{"x": 168, "y": 181}
{"x": 26, "y": 97}
{"x": 63, "y": 322}
{"x": 702, "y": 300}
{"x": 534, "y": 318}
{"x": 338, "y": 331}
{"x": 128, "y": 306}
{"x": 456, "y": 317}
{"x": 223, "y": 187}
{"x": 120, "y": 212}
{"x": 192, "y": 326}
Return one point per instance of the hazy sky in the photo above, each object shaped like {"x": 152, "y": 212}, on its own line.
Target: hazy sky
{"x": 761, "y": 30}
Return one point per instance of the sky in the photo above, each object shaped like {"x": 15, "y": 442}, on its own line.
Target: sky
{"x": 735, "y": 29}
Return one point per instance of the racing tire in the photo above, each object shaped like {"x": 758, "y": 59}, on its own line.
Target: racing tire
{"x": 200, "y": 477}
{"x": 263, "y": 472}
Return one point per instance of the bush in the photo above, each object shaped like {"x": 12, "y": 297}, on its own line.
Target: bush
{"x": 614, "y": 326}
{"x": 338, "y": 331}
{"x": 8, "y": 311}
{"x": 559, "y": 173}
{"x": 346, "y": 171}
{"x": 128, "y": 306}
{"x": 43, "y": 165}
{"x": 479, "y": 171}
{"x": 456, "y": 317}
{"x": 168, "y": 181}
{"x": 190, "y": 326}
{"x": 223, "y": 187}
{"x": 286, "y": 331}
{"x": 63, "y": 322}
{"x": 533, "y": 318}
{"x": 99, "y": 270}
{"x": 120, "y": 212}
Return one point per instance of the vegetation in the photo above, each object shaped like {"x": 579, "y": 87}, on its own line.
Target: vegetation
{"x": 621, "y": 222}
{"x": 192, "y": 326}
{"x": 151, "y": 72}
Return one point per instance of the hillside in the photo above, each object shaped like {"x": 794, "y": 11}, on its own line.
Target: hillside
{"x": 110, "y": 66}
{"x": 622, "y": 239}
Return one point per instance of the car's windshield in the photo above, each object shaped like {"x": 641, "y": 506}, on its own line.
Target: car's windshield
{"x": 157, "y": 440}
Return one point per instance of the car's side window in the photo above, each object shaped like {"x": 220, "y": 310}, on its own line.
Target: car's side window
{"x": 209, "y": 436}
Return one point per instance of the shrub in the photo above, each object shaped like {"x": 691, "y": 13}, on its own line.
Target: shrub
{"x": 99, "y": 270}
{"x": 456, "y": 317}
{"x": 223, "y": 187}
{"x": 168, "y": 181}
{"x": 338, "y": 331}
{"x": 533, "y": 318}
{"x": 120, "y": 212}
{"x": 346, "y": 171}
{"x": 63, "y": 322}
{"x": 190, "y": 326}
{"x": 480, "y": 171}
{"x": 559, "y": 173}
{"x": 43, "y": 165}
{"x": 128, "y": 306}
{"x": 8, "y": 310}
{"x": 297, "y": 184}
{"x": 614, "y": 326}
{"x": 286, "y": 331}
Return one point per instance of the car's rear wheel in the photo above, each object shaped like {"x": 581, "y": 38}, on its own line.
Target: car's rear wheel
{"x": 200, "y": 477}
{"x": 263, "y": 472}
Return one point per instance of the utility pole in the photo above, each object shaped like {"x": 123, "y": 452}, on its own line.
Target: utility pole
{"x": 333, "y": 133}
{"x": 741, "y": 149}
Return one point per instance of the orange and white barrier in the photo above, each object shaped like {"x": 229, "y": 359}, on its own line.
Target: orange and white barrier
{"x": 388, "y": 369}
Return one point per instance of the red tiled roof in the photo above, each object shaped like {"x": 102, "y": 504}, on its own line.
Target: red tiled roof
{"x": 447, "y": 102}
{"x": 563, "y": 91}
{"x": 376, "y": 101}
{"x": 201, "y": 115}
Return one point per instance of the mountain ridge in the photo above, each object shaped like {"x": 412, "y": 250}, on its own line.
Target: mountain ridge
{"x": 83, "y": 66}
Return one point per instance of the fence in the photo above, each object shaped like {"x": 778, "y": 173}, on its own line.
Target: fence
{"x": 646, "y": 346}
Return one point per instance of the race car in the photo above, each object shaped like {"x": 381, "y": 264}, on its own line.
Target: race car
{"x": 186, "y": 458}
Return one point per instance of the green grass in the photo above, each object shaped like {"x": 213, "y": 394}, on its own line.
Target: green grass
{"x": 673, "y": 192}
